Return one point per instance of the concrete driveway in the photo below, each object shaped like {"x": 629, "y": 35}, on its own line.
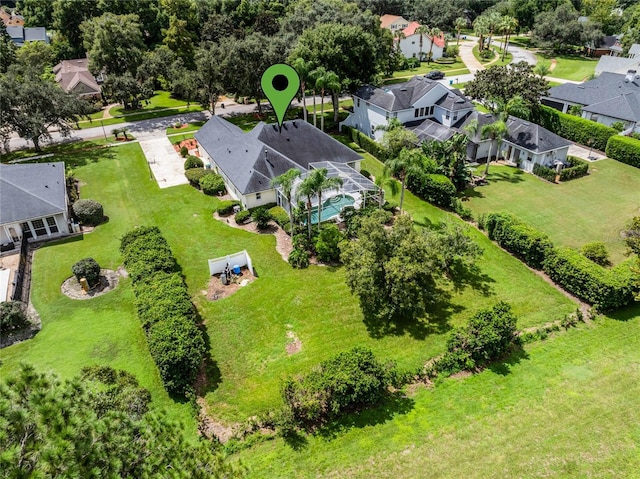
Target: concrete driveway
{"x": 586, "y": 153}
{"x": 165, "y": 162}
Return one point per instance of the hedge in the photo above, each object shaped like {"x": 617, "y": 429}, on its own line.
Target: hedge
{"x": 624, "y": 149}
{"x": 574, "y": 128}
{"x": 193, "y": 162}
{"x": 164, "y": 307}
{"x": 212, "y": 184}
{"x": 604, "y": 288}
{"x": 435, "y": 188}
{"x": 576, "y": 169}
{"x": 226, "y": 207}
{"x": 279, "y": 215}
{"x": 544, "y": 172}
{"x": 522, "y": 240}
{"x": 242, "y": 216}
{"x": 194, "y": 175}
{"x": 366, "y": 143}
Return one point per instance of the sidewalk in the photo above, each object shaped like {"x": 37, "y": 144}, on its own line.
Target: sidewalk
{"x": 165, "y": 163}
{"x": 467, "y": 57}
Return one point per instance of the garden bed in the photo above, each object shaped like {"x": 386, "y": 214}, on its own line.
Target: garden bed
{"x": 216, "y": 290}
{"x": 108, "y": 281}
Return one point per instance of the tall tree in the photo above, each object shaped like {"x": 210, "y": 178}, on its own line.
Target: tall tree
{"x": 323, "y": 183}
{"x": 481, "y": 29}
{"x": 210, "y": 61}
{"x": 401, "y": 165}
{"x": 68, "y": 15}
{"x": 558, "y": 29}
{"x": 421, "y": 30}
{"x": 307, "y": 189}
{"x": 509, "y": 26}
{"x": 36, "y": 13}
{"x": 304, "y": 69}
{"x": 396, "y": 137}
{"x": 460, "y": 23}
{"x": 180, "y": 40}
{"x": 7, "y": 49}
{"x": 433, "y": 32}
{"x": 285, "y": 181}
{"x": 113, "y": 43}
{"x": 437, "y": 13}
{"x": 315, "y": 77}
{"x": 496, "y": 131}
{"x": 386, "y": 180}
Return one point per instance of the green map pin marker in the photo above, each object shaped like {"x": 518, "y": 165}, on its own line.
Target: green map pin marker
{"x": 280, "y": 83}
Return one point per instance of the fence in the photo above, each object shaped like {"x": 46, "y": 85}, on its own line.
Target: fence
{"x": 241, "y": 259}
{"x": 21, "y": 278}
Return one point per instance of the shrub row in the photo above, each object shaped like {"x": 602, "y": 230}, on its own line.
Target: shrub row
{"x": 226, "y": 207}
{"x": 624, "y": 149}
{"x": 544, "y": 172}
{"x": 575, "y": 128}
{"x": 194, "y": 175}
{"x": 577, "y": 169}
{"x": 606, "y": 289}
{"x": 522, "y": 240}
{"x": 366, "y": 143}
{"x": 164, "y": 308}
{"x": 436, "y": 189}
{"x": 280, "y": 216}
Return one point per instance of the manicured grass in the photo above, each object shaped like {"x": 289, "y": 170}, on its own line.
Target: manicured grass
{"x": 328, "y": 106}
{"x": 140, "y": 115}
{"x": 457, "y": 68}
{"x": 159, "y": 100}
{"x": 573, "y": 213}
{"x": 520, "y": 41}
{"x": 496, "y": 60}
{"x": 571, "y": 67}
{"x": 568, "y": 407}
{"x": 177, "y": 138}
{"x": 193, "y": 126}
{"x": 61, "y": 149}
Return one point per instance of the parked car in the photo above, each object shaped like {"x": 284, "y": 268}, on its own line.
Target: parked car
{"x": 435, "y": 75}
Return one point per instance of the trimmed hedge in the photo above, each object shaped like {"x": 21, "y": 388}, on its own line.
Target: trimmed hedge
{"x": 624, "y": 149}
{"x": 279, "y": 215}
{"x": 164, "y": 308}
{"x": 366, "y": 143}
{"x": 436, "y": 189}
{"x": 544, "y": 172}
{"x": 522, "y": 240}
{"x": 194, "y": 175}
{"x": 606, "y": 289}
{"x": 577, "y": 169}
{"x": 89, "y": 269}
{"x": 193, "y": 162}
{"x": 574, "y": 128}
{"x": 226, "y": 207}
{"x": 243, "y": 216}
{"x": 212, "y": 184}
{"x": 89, "y": 212}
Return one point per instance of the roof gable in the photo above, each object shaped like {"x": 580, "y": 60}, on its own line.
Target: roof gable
{"x": 533, "y": 137}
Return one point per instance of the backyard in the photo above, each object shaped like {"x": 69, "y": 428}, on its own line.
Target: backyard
{"x": 572, "y": 213}
{"x": 570, "y": 67}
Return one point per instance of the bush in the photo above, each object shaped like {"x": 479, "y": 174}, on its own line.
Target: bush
{"x": 160, "y": 296}
{"x": 147, "y": 254}
{"x": 347, "y": 382}
{"x": 87, "y": 268}
{"x": 279, "y": 215}
{"x": 366, "y": 174}
{"x": 461, "y": 210}
{"x": 574, "y": 128}
{"x": 544, "y": 172}
{"x": 242, "y": 217}
{"x": 13, "y": 316}
{"x": 299, "y": 258}
{"x": 193, "y": 162}
{"x": 195, "y": 174}
{"x": 606, "y": 289}
{"x": 226, "y": 207}
{"x": 212, "y": 184}
{"x": 487, "y": 54}
{"x": 624, "y": 149}
{"x": 261, "y": 217}
{"x": 452, "y": 51}
{"x": 596, "y": 252}
{"x": 184, "y": 151}
{"x": 327, "y": 242}
{"x": 366, "y": 143}
{"x": 522, "y": 240}
{"x": 487, "y": 337}
{"x": 576, "y": 169}
{"x": 137, "y": 233}
{"x": 177, "y": 347}
{"x": 436, "y": 189}
{"x": 88, "y": 212}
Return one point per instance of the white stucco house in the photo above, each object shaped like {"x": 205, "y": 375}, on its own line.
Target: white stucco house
{"x": 609, "y": 98}
{"x": 249, "y": 161}
{"x": 393, "y": 22}
{"x": 414, "y": 102}
{"x": 414, "y": 44}
{"x": 34, "y": 202}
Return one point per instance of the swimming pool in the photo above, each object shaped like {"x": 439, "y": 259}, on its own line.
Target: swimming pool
{"x": 331, "y": 207}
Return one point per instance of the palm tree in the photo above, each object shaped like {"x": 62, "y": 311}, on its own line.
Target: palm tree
{"x": 516, "y": 106}
{"x": 322, "y": 183}
{"x": 286, "y": 181}
{"x": 495, "y": 131}
{"x": 460, "y": 23}
{"x": 493, "y": 21}
{"x": 432, "y": 32}
{"x": 383, "y": 180}
{"x": 333, "y": 84}
{"x": 307, "y": 189}
{"x": 509, "y": 25}
{"x": 303, "y": 68}
{"x": 421, "y": 30}
{"x": 481, "y": 28}
{"x": 542, "y": 69}
{"x": 398, "y": 36}
{"x": 402, "y": 165}
{"x": 313, "y": 78}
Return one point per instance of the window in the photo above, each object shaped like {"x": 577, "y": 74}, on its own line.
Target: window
{"x": 51, "y": 222}
{"x": 415, "y": 113}
{"x": 39, "y": 227}
{"x": 387, "y": 115}
{"x": 258, "y": 196}
{"x": 431, "y": 110}
{"x": 448, "y": 115}
{"x": 26, "y": 230}
{"x": 421, "y": 111}
{"x": 455, "y": 115}
{"x": 395, "y": 114}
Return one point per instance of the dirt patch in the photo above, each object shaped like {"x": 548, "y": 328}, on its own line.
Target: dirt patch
{"x": 211, "y": 428}
{"x": 283, "y": 240}
{"x": 108, "y": 281}
{"x": 216, "y": 290}
{"x": 294, "y": 345}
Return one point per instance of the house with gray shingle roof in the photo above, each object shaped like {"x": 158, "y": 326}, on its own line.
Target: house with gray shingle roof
{"x": 607, "y": 99}
{"x": 74, "y": 76}
{"x": 34, "y": 202}
{"x": 249, "y": 161}
{"x": 414, "y": 101}
{"x": 20, "y": 35}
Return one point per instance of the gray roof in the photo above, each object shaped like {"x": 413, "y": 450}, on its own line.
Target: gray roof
{"x": 31, "y": 191}
{"x": 428, "y": 130}
{"x": 625, "y": 107}
{"x": 607, "y": 85}
{"x": 19, "y": 34}
{"x": 635, "y": 49}
{"x": 402, "y": 96}
{"x": 620, "y": 65}
{"x": 533, "y": 137}
{"x": 482, "y": 119}
{"x": 252, "y": 159}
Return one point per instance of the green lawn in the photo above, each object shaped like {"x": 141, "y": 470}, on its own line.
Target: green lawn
{"x": 569, "y": 408}
{"x": 193, "y": 126}
{"x": 457, "y": 68}
{"x": 497, "y": 59}
{"x": 570, "y": 67}
{"x": 159, "y": 100}
{"x": 138, "y": 116}
{"x": 592, "y": 208}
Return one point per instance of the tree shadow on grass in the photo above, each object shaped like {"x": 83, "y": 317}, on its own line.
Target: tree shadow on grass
{"x": 515, "y": 176}
{"x": 396, "y": 403}
{"x": 83, "y": 158}
{"x": 470, "y": 275}
{"x": 626, "y": 314}
{"x": 503, "y": 367}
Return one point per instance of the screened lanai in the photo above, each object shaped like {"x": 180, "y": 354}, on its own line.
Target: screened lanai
{"x": 356, "y": 190}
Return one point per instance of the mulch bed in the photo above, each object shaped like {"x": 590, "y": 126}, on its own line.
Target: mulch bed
{"x": 108, "y": 281}
{"x": 191, "y": 144}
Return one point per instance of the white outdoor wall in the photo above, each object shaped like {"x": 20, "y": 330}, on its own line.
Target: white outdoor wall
{"x": 242, "y": 258}
{"x": 267, "y": 196}
{"x": 410, "y": 47}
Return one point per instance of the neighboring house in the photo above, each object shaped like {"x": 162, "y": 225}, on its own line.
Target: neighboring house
{"x": 410, "y": 45}
{"x": 34, "y": 202}
{"x": 11, "y": 19}
{"x": 608, "y": 45}
{"x": 393, "y": 22}
{"x": 20, "y": 35}
{"x": 249, "y": 161}
{"x": 620, "y": 64}
{"x": 74, "y": 76}
{"x": 608, "y": 99}
{"x": 416, "y": 101}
